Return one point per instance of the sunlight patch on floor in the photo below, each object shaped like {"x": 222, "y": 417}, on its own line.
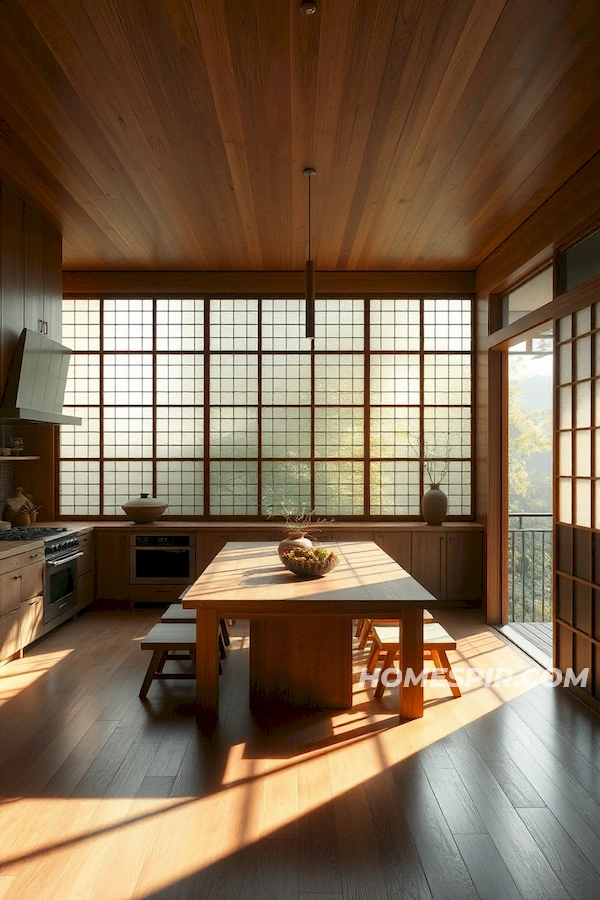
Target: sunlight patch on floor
{"x": 20, "y": 674}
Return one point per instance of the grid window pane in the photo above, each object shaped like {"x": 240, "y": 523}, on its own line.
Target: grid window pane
{"x": 447, "y": 379}
{"x": 83, "y": 381}
{"x": 180, "y": 324}
{"x": 447, "y": 324}
{"x": 286, "y": 432}
{"x": 81, "y": 324}
{"x": 339, "y": 324}
{"x": 285, "y": 485}
{"x": 127, "y": 325}
{"x": 286, "y": 378}
{"x": 81, "y": 441}
{"x": 284, "y": 325}
{"x": 395, "y": 488}
{"x": 233, "y": 488}
{"x": 395, "y": 324}
{"x": 233, "y": 324}
{"x": 395, "y": 431}
{"x": 233, "y": 432}
{"x": 277, "y": 402}
{"x": 79, "y": 488}
{"x": 127, "y": 432}
{"x": 180, "y": 432}
{"x": 181, "y": 485}
{"x": 128, "y": 379}
{"x": 234, "y": 379}
{"x": 395, "y": 379}
{"x": 339, "y": 379}
{"x": 179, "y": 379}
{"x": 339, "y": 488}
{"x": 124, "y": 480}
{"x": 457, "y": 487}
{"x": 447, "y": 431}
{"x": 339, "y": 431}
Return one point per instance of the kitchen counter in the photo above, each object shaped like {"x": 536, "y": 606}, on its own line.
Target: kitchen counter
{"x": 13, "y": 548}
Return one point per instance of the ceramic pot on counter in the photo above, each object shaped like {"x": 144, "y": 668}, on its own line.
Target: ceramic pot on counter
{"x": 144, "y": 509}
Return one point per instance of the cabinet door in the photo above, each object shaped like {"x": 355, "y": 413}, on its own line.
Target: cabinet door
{"x": 32, "y": 620}
{"x": 208, "y": 546}
{"x": 85, "y": 562}
{"x": 53, "y": 291}
{"x": 464, "y": 566}
{"x": 85, "y": 590}
{"x": 398, "y": 545}
{"x": 33, "y": 269}
{"x": 10, "y": 592}
{"x": 32, "y": 580}
{"x": 10, "y": 633}
{"x": 428, "y": 564}
{"x": 112, "y": 565}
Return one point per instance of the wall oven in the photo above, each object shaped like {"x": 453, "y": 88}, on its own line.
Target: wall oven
{"x": 60, "y": 578}
{"x": 162, "y": 558}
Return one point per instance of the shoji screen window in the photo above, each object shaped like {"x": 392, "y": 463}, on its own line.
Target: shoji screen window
{"x": 222, "y": 407}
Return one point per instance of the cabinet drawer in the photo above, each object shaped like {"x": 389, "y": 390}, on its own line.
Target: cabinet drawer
{"x": 32, "y": 556}
{"x": 10, "y": 633}
{"x": 10, "y": 592}
{"x": 32, "y": 620}
{"x": 32, "y": 580}
{"x": 155, "y": 593}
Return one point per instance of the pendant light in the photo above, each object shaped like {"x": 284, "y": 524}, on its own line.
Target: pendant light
{"x": 310, "y": 270}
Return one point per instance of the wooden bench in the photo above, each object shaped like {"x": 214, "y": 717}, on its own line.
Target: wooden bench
{"x": 436, "y": 643}
{"x": 176, "y": 614}
{"x": 365, "y": 626}
{"x": 164, "y": 640}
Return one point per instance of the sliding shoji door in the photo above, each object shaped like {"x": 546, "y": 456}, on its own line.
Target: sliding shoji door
{"x": 577, "y": 576}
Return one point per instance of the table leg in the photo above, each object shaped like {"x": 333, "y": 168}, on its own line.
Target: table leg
{"x": 411, "y": 655}
{"x": 207, "y": 663}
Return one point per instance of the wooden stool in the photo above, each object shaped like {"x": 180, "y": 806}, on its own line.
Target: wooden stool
{"x": 436, "y": 641}
{"x": 175, "y": 613}
{"x": 164, "y": 639}
{"x": 364, "y": 626}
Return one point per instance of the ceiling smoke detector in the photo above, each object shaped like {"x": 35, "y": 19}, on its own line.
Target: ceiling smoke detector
{"x": 308, "y": 7}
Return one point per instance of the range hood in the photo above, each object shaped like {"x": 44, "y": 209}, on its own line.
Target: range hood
{"x": 36, "y": 383}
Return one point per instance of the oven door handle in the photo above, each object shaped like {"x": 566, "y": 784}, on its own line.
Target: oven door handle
{"x": 65, "y": 559}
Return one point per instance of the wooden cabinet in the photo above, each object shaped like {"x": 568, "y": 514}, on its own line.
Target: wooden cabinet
{"x": 21, "y": 601}
{"x": 449, "y": 564}
{"x": 428, "y": 564}
{"x": 448, "y": 560}
{"x": 464, "y": 566}
{"x": 112, "y": 566}
{"x": 398, "y": 545}
{"x": 10, "y": 634}
{"x": 31, "y": 283}
{"x": 32, "y": 620}
{"x": 85, "y": 571}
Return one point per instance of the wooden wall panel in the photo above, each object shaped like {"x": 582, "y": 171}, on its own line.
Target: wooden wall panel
{"x": 95, "y": 283}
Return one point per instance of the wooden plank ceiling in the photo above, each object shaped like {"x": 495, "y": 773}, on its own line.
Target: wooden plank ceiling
{"x": 173, "y": 134}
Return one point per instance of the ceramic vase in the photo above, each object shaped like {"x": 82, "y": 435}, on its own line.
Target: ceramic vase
{"x": 434, "y": 505}
{"x": 294, "y": 539}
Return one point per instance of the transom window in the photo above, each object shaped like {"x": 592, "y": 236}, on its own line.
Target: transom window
{"x": 221, "y": 406}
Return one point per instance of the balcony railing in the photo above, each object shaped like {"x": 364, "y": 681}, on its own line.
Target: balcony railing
{"x": 530, "y": 568}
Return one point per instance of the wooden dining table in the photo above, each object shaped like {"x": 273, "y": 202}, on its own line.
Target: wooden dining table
{"x": 301, "y": 629}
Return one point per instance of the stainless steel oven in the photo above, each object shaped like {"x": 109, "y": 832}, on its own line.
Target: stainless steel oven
{"x": 60, "y": 579}
{"x": 162, "y": 558}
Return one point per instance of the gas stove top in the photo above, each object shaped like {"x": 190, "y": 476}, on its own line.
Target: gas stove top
{"x": 31, "y": 533}
{"x": 58, "y": 541}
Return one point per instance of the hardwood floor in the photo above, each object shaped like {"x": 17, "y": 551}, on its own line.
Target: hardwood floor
{"x": 493, "y": 795}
